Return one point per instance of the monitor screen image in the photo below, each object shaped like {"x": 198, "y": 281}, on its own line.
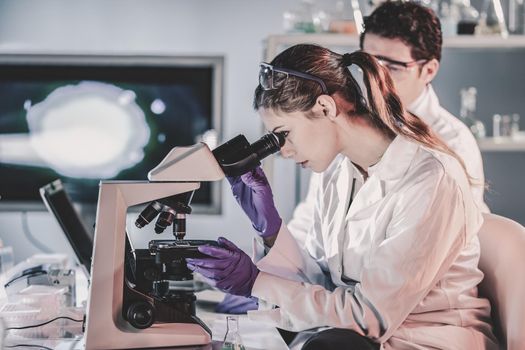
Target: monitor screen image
{"x": 89, "y": 118}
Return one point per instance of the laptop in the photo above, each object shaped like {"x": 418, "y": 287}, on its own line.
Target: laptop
{"x": 61, "y": 207}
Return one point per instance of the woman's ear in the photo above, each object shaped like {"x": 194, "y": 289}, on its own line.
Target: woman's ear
{"x": 325, "y": 105}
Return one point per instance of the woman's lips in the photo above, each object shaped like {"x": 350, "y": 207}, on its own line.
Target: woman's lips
{"x": 303, "y": 164}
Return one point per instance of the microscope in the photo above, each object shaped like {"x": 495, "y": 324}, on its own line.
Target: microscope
{"x": 139, "y": 298}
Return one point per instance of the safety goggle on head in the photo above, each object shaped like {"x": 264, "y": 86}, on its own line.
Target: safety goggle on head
{"x": 271, "y": 77}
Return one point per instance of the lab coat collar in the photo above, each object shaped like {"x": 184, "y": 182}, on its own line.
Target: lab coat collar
{"x": 426, "y": 106}
{"x": 382, "y": 176}
{"x": 395, "y": 161}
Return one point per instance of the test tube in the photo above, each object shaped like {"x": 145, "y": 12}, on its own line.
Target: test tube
{"x": 496, "y": 126}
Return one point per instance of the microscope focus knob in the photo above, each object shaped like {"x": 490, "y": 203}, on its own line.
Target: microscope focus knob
{"x": 141, "y": 314}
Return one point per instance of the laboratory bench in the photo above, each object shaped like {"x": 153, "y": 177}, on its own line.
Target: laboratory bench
{"x": 255, "y": 335}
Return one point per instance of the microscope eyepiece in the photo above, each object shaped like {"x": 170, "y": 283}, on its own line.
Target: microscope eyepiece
{"x": 268, "y": 144}
{"x": 238, "y": 156}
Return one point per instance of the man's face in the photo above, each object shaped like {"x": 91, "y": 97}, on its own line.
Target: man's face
{"x": 410, "y": 79}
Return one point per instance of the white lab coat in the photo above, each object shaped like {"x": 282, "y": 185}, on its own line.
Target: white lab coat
{"x": 451, "y": 130}
{"x": 456, "y": 135}
{"x": 399, "y": 266}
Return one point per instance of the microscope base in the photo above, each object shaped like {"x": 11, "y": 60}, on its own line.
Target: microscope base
{"x": 158, "y": 335}
{"x": 105, "y": 326}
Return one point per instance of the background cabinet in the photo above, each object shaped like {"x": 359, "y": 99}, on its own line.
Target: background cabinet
{"x": 491, "y": 64}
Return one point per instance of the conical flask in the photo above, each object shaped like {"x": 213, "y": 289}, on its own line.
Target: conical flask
{"x": 232, "y": 338}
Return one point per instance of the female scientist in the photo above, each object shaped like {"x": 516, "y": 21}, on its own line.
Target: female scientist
{"x": 391, "y": 258}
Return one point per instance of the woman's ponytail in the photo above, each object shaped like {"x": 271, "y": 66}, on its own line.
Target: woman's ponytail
{"x": 386, "y": 110}
{"x": 359, "y": 79}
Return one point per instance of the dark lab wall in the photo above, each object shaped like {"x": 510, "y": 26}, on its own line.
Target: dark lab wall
{"x": 499, "y": 77}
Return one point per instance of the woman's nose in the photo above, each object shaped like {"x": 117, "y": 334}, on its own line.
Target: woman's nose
{"x": 286, "y": 150}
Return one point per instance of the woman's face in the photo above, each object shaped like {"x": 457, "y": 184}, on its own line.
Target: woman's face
{"x": 312, "y": 143}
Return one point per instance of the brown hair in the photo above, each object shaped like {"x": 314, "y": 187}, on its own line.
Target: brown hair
{"x": 384, "y": 111}
{"x": 415, "y": 25}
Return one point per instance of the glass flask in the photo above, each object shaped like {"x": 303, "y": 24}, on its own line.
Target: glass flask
{"x": 232, "y": 338}
{"x": 468, "y": 112}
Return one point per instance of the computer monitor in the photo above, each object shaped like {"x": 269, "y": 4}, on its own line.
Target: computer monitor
{"x": 60, "y": 206}
{"x": 86, "y": 118}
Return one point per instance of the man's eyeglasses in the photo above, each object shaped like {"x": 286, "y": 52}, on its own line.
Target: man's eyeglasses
{"x": 397, "y": 66}
{"x": 271, "y": 77}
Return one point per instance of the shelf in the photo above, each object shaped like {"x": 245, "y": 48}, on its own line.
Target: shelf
{"x": 491, "y": 144}
{"x": 349, "y": 40}
{"x": 485, "y": 42}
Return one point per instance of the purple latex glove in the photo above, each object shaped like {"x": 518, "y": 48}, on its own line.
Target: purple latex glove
{"x": 234, "y": 304}
{"x": 228, "y": 268}
{"x": 252, "y": 191}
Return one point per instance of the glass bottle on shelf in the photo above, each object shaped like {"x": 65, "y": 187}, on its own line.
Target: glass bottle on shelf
{"x": 515, "y": 126}
{"x": 347, "y": 17}
{"x": 449, "y": 17}
{"x": 505, "y": 125}
{"x": 468, "y": 112}
{"x": 492, "y": 20}
{"x": 516, "y": 15}
{"x": 232, "y": 338}
{"x": 307, "y": 18}
{"x": 468, "y": 19}
{"x": 496, "y": 126}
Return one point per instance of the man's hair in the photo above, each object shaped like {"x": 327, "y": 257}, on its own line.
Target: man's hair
{"x": 415, "y": 25}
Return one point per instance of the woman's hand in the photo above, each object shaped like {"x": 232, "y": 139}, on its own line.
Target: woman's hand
{"x": 252, "y": 191}
{"x": 228, "y": 268}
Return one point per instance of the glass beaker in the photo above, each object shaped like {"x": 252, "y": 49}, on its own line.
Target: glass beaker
{"x": 232, "y": 338}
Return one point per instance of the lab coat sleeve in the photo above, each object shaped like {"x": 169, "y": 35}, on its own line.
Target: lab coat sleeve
{"x": 424, "y": 236}
{"x": 301, "y": 223}
{"x": 288, "y": 260}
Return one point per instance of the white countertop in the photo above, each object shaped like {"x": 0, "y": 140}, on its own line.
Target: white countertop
{"x": 255, "y": 335}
